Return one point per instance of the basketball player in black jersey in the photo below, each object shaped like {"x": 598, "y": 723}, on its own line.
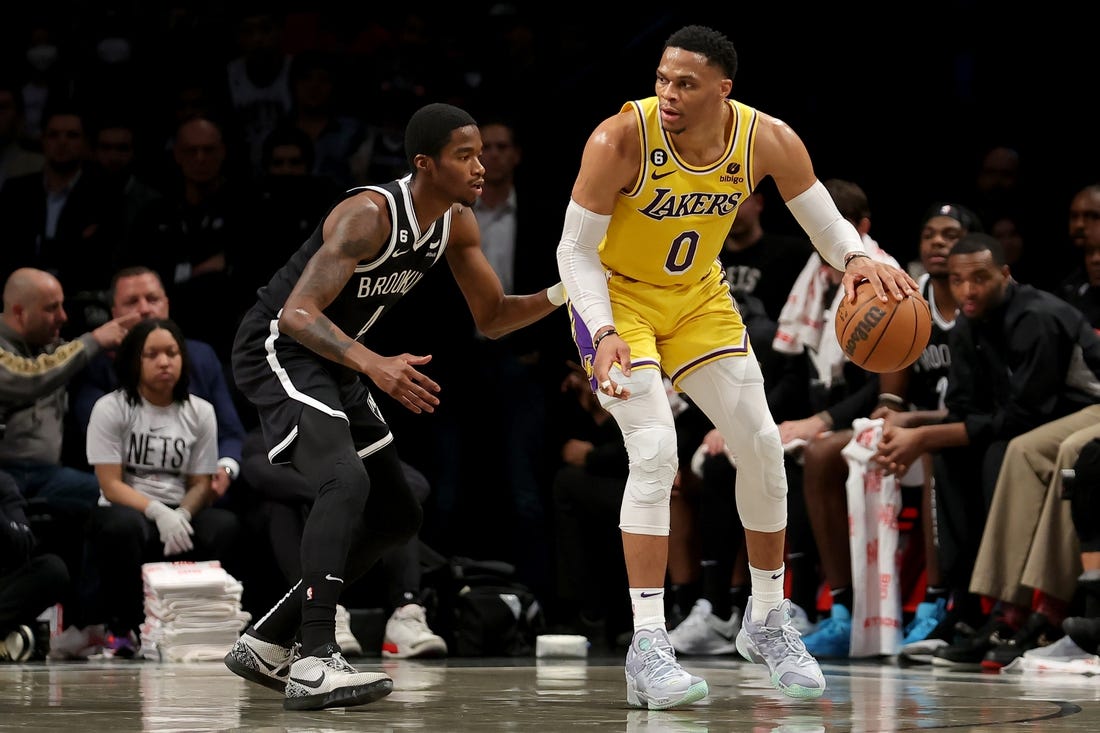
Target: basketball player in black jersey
{"x": 299, "y": 357}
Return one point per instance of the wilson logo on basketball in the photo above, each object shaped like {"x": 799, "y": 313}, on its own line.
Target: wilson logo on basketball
{"x": 863, "y": 329}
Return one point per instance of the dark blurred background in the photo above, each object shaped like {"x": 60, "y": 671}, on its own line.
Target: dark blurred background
{"x": 903, "y": 99}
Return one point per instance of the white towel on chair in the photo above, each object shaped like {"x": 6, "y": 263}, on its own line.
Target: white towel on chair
{"x": 874, "y": 503}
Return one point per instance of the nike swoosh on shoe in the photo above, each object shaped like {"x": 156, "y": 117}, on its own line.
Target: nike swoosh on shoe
{"x": 314, "y": 684}
{"x": 270, "y": 667}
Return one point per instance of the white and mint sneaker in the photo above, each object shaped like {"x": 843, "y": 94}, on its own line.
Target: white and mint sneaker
{"x": 777, "y": 643}
{"x": 328, "y": 681}
{"x": 261, "y": 661}
{"x": 654, "y": 679}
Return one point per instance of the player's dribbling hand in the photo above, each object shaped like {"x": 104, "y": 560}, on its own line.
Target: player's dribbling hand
{"x": 398, "y": 377}
{"x": 612, "y": 350}
{"x": 887, "y": 280}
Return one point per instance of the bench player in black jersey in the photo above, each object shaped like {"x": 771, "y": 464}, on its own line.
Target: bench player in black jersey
{"x": 299, "y": 356}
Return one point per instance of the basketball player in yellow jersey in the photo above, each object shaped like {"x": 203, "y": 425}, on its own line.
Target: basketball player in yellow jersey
{"x": 658, "y": 186}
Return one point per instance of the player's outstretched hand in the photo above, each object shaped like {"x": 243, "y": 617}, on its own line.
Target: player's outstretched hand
{"x": 398, "y": 377}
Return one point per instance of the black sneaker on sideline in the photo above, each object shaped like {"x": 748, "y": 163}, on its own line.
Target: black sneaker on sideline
{"x": 17, "y": 645}
{"x": 968, "y": 654}
{"x": 1037, "y": 631}
{"x": 950, "y": 630}
{"x": 1084, "y": 631}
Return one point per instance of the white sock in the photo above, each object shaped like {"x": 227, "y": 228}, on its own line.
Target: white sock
{"x": 767, "y": 591}
{"x": 649, "y": 607}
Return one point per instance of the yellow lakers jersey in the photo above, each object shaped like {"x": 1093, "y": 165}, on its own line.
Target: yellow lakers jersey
{"x": 669, "y": 228}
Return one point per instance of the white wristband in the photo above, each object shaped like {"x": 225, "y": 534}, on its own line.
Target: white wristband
{"x": 556, "y": 294}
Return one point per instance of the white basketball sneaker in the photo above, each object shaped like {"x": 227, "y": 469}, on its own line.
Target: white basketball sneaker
{"x": 349, "y": 645}
{"x": 408, "y": 635}
{"x": 654, "y": 679}
{"x": 328, "y": 681}
{"x": 703, "y": 633}
{"x": 777, "y": 643}
{"x": 261, "y": 661}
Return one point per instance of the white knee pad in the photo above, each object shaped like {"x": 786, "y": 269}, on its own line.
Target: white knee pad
{"x": 653, "y": 466}
{"x": 731, "y": 393}
{"x": 650, "y": 438}
{"x": 762, "y": 484}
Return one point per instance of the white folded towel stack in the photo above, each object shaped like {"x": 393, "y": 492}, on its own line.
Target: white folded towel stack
{"x": 192, "y": 611}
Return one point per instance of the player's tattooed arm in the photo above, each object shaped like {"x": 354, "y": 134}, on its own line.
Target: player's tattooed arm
{"x": 347, "y": 243}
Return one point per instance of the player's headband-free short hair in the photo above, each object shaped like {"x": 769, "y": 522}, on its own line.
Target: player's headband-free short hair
{"x": 430, "y": 129}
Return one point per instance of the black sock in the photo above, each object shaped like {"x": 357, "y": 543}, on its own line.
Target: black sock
{"x": 843, "y": 596}
{"x": 684, "y": 596}
{"x": 282, "y": 624}
{"x": 1091, "y": 590}
{"x": 967, "y": 608}
{"x": 805, "y": 580}
{"x": 739, "y": 598}
{"x": 320, "y": 594}
{"x": 933, "y": 594}
{"x": 716, "y": 585}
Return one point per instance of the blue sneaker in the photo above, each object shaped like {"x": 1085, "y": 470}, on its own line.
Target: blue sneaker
{"x": 926, "y": 619}
{"x": 833, "y": 637}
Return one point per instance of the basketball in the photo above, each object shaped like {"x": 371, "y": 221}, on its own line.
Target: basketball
{"x": 883, "y": 337}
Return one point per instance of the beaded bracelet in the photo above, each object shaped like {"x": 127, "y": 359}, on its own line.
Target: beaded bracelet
{"x": 852, "y": 255}
{"x": 596, "y": 341}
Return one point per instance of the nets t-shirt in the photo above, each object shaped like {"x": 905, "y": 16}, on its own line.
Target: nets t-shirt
{"x": 157, "y": 447}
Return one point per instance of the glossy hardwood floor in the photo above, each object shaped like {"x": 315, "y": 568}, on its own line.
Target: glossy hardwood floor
{"x": 541, "y": 695}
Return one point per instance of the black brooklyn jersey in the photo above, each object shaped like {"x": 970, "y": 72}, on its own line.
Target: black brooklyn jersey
{"x": 928, "y": 378}
{"x": 377, "y": 283}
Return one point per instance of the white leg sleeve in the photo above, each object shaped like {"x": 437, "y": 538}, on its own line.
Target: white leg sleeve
{"x": 650, "y": 438}
{"x": 731, "y": 393}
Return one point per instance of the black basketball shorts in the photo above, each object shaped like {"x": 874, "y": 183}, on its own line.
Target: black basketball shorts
{"x": 282, "y": 378}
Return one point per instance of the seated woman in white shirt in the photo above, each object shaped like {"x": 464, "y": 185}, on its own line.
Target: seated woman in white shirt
{"x": 153, "y": 446}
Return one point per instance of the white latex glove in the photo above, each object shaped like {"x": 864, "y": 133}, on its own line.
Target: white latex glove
{"x": 181, "y": 542}
{"x": 173, "y": 526}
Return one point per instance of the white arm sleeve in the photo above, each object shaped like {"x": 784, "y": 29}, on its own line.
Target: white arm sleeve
{"x": 832, "y": 235}
{"x": 580, "y": 268}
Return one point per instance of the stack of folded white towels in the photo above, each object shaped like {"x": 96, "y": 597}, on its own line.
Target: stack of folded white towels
{"x": 192, "y": 611}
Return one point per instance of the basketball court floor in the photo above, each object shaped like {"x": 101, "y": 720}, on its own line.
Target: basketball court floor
{"x": 542, "y": 695}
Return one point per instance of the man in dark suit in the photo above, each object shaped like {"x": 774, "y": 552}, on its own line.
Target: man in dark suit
{"x": 62, "y": 220}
